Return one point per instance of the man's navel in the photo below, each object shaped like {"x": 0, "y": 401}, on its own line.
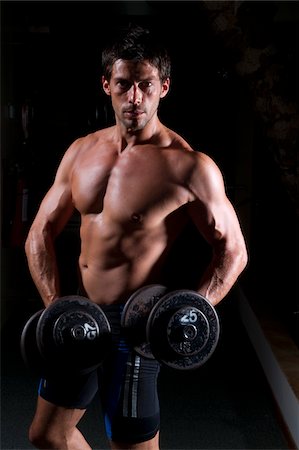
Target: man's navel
{"x": 136, "y": 218}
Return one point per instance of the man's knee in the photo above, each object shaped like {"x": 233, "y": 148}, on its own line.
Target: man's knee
{"x": 44, "y": 438}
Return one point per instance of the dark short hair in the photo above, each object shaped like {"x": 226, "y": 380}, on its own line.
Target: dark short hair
{"x": 136, "y": 43}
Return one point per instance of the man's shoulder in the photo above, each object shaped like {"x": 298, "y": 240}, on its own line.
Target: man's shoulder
{"x": 102, "y": 133}
{"x": 90, "y": 140}
{"x": 176, "y": 141}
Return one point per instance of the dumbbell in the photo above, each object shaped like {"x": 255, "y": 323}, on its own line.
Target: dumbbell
{"x": 135, "y": 315}
{"x": 71, "y": 335}
{"x": 178, "y": 328}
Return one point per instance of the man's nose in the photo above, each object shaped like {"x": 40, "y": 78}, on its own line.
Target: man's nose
{"x": 135, "y": 95}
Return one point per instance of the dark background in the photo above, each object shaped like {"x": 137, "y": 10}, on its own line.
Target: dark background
{"x": 234, "y": 95}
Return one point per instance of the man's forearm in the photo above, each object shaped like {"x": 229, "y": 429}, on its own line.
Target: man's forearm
{"x": 42, "y": 264}
{"x": 221, "y": 274}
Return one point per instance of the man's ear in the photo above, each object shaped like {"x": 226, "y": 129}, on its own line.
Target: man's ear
{"x": 106, "y": 85}
{"x": 165, "y": 87}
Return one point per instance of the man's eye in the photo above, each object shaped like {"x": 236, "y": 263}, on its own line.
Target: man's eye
{"x": 123, "y": 84}
{"x": 145, "y": 85}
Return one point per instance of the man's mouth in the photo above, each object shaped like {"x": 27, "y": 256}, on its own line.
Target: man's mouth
{"x": 133, "y": 113}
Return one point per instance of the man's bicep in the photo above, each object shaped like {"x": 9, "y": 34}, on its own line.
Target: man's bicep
{"x": 211, "y": 210}
{"x": 56, "y": 208}
{"x": 206, "y": 219}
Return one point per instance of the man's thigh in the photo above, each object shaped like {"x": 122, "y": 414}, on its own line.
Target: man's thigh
{"x": 56, "y": 418}
{"x": 69, "y": 391}
{"x": 128, "y": 391}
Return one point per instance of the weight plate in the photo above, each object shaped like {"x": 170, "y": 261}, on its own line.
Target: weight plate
{"x": 135, "y": 314}
{"x": 165, "y": 312}
{"x": 73, "y": 333}
{"x": 188, "y": 331}
{"x": 28, "y": 346}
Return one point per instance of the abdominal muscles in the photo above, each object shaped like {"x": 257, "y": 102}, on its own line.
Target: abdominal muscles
{"x": 117, "y": 259}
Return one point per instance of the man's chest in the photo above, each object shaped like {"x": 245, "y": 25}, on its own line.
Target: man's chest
{"x": 132, "y": 186}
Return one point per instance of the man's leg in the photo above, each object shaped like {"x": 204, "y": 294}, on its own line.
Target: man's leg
{"x": 152, "y": 444}
{"x": 128, "y": 392}
{"x": 131, "y": 404}
{"x": 55, "y": 427}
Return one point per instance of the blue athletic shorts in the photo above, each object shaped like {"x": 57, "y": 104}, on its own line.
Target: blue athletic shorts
{"x": 127, "y": 385}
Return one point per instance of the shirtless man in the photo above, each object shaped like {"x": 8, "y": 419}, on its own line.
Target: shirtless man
{"x": 135, "y": 185}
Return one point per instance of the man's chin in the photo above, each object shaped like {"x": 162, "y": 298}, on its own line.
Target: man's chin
{"x": 134, "y": 127}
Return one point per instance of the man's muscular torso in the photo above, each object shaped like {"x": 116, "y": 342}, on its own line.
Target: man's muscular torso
{"x": 130, "y": 204}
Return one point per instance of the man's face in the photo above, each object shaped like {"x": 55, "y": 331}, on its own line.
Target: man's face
{"x": 135, "y": 89}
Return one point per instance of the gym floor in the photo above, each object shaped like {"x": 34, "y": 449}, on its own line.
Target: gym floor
{"x": 225, "y": 404}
